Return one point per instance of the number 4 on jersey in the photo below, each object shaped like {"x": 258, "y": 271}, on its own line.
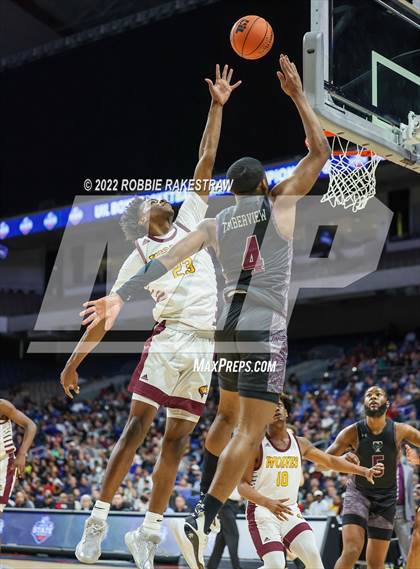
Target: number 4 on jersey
{"x": 252, "y": 260}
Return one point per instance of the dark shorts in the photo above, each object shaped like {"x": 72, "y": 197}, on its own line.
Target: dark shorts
{"x": 251, "y": 344}
{"x": 375, "y": 513}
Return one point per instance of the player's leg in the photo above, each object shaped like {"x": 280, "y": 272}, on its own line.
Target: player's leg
{"x": 143, "y": 541}
{"x": 219, "y": 434}
{"x": 304, "y": 546}
{"x": 353, "y": 541}
{"x": 355, "y": 520}
{"x": 254, "y": 415}
{"x": 380, "y": 529}
{"x": 228, "y": 409}
{"x": 274, "y": 560}
{"x": 259, "y": 394}
{"x": 258, "y": 389}
{"x": 138, "y": 424}
{"x": 376, "y": 553}
{"x": 88, "y": 550}
{"x": 413, "y": 558}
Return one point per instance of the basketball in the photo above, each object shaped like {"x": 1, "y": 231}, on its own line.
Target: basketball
{"x": 251, "y": 37}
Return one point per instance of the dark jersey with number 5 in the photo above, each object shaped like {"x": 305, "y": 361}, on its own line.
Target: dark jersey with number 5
{"x": 253, "y": 254}
{"x": 378, "y": 448}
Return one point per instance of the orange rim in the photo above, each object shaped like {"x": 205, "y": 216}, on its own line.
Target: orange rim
{"x": 362, "y": 152}
{"x": 329, "y": 134}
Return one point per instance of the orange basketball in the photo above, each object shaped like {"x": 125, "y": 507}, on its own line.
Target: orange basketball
{"x": 251, "y": 37}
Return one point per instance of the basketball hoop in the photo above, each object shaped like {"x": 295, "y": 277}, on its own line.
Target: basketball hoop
{"x": 352, "y": 174}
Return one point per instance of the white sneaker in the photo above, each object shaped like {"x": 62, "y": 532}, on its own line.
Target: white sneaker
{"x": 184, "y": 544}
{"x": 142, "y": 547}
{"x": 88, "y": 549}
{"x": 194, "y": 530}
{"x": 215, "y": 525}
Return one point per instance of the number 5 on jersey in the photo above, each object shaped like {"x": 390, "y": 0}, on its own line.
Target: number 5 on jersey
{"x": 376, "y": 459}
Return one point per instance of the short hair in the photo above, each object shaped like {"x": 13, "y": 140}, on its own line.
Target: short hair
{"x": 129, "y": 221}
{"x": 287, "y": 402}
{"x": 246, "y": 174}
{"x": 380, "y": 389}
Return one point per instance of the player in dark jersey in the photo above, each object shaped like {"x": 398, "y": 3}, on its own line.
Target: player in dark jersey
{"x": 366, "y": 508}
{"x": 253, "y": 241}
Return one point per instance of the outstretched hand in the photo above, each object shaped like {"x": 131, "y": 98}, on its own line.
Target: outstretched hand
{"x": 221, "y": 89}
{"x": 290, "y": 80}
{"x": 106, "y": 308}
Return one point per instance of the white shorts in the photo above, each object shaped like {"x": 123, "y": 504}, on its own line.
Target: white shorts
{"x": 174, "y": 371}
{"x": 271, "y": 534}
{"x": 7, "y": 479}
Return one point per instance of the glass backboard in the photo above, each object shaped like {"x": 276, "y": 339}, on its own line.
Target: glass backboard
{"x": 362, "y": 74}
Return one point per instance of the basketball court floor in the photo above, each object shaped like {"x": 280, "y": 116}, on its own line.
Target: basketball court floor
{"x": 43, "y": 563}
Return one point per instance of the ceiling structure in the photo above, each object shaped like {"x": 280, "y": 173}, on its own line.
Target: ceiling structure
{"x": 31, "y": 29}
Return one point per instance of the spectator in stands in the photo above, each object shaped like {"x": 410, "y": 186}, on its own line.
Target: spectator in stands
{"x": 180, "y": 505}
{"x": 64, "y": 503}
{"x": 143, "y": 504}
{"x": 86, "y": 503}
{"x": 118, "y": 504}
{"x": 319, "y": 506}
{"x": 22, "y": 501}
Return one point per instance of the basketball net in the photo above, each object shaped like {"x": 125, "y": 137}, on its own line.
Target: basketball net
{"x": 352, "y": 174}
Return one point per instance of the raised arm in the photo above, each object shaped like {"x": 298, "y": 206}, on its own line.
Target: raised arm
{"x": 220, "y": 92}
{"x": 339, "y": 464}
{"x": 8, "y": 410}
{"x": 245, "y": 489}
{"x": 108, "y": 307}
{"x": 307, "y": 171}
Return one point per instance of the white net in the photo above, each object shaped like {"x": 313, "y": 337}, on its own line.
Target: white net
{"x": 352, "y": 175}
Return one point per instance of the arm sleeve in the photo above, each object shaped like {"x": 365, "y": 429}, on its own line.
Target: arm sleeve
{"x": 192, "y": 211}
{"x": 133, "y": 288}
{"x": 131, "y": 265}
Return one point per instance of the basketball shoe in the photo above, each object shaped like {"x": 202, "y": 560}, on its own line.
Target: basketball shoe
{"x": 194, "y": 531}
{"x": 142, "y": 547}
{"x": 88, "y": 549}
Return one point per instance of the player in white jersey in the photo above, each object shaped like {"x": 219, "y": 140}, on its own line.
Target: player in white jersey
{"x": 12, "y": 462}
{"x": 271, "y": 486}
{"x": 185, "y": 313}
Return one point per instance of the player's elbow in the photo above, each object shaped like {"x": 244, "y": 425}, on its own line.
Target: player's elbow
{"x": 208, "y": 158}
{"x": 242, "y": 488}
{"x": 31, "y": 427}
{"x": 321, "y": 151}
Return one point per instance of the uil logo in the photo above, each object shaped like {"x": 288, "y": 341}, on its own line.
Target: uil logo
{"x": 377, "y": 446}
{"x": 42, "y": 530}
{"x": 203, "y": 390}
{"x": 241, "y": 27}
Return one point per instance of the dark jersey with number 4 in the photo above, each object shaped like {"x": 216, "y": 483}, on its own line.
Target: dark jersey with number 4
{"x": 378, "y": 448}
{"x": 253, "y": 254}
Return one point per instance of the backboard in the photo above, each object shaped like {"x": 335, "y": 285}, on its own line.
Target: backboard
{"x": 361, "y": 74}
